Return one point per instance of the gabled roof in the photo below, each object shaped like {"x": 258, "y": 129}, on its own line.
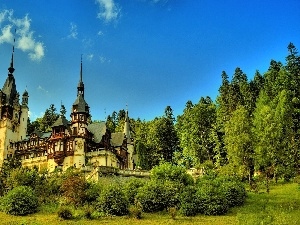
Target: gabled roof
{"x": 61, "y": 121}
{"x": 117, "y": 139}
{"x": 98, "y": 130}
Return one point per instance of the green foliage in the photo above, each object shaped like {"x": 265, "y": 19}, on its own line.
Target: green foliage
{"x": 20, "y": 201}
{"x": 168, "y": 172}
{"x": 113, "y": 201}
{"x": 65, "y": 213}
{"x": 135, "y": 211}
{"x": 157, "y": 196}
{"x": 23, "y": 177}
{"x": 131, "y": 188}
{"x": 189, "y": 203}
{"x": 195, "y": 129}
{"x": 212, "y": 199}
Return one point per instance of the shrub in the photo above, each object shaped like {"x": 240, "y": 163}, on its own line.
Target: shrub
{"x": 167, "y": 171}
{"x": 64, "y": 213}
{"x": 131, "y": 188}
{"x": 234, "y": 192}
{"x": 92, "y": 192}
{"x": 172, "y": 211}
{"x": 157, "y": 196}
{"x": 135, "y": 211}
{"x": 189, "y": 202}
{"x": 113, "y": 201}
{"x": 212, "y": 200}
{"x": 20, "y": 201}
{"x": 23, "y": 177}
{"x": 73, "y": 189}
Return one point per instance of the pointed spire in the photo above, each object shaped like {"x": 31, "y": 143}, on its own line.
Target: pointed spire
{"x": 80, "y": 87}
{"x": 11, "y": 69}
{"x": 127, "y": 127}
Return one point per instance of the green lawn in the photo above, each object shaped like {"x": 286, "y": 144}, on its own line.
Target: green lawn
{"x": 281, "y": 206}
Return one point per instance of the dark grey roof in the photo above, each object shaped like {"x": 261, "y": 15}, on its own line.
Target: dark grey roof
{"x": 117, "y": 139}
{"x": 98, "y": 130}
{"x": 61, "y": 121}
{"x": 80, "y": 103}
{"x": 9, "y": 89}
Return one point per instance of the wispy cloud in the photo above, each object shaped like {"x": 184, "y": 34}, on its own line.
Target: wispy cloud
{"x": 73, "y": 31}
{"x": 100, "y": 33}
{"x": 104, "y": 59}
{"x": 90, "y": 57}
{"x": 41, "y": 89}
{"x": 109, "y": 10}
{"x": 25, "y": 39}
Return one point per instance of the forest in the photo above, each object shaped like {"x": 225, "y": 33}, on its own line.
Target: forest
{"x": 252, "y": 127}
{"x": 246, "y": 143}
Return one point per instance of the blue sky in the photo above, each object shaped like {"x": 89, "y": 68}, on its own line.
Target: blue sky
{"x": 144, "y": 53}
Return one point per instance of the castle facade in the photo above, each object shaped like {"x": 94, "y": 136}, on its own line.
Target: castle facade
{"x": 71, "y": 143}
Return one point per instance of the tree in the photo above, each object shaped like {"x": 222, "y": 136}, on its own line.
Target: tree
{"x": 194, "y": 130}
{"x": 238, "y": 142}
{"x": 272, "y": 129}
{"x": 49, "y": 118}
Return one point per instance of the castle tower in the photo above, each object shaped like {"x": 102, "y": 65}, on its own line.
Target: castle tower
{"x": 129, "y": 141}
{"x": 13, "y": 116}
{"x": 80, "y": 113}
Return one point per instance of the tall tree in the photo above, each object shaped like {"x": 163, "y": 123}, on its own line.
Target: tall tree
{"x": 238, "y": 142}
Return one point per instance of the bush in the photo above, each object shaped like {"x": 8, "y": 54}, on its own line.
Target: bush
{"x": 234, "y": 192}
{"x": 135, "y": 211}
{"x": 167, "y": 171}
{"x": 157, "y": 196}
{"x": 131, "y": 188}
{"x": 189, "y": 203}
{"x": 113, "y": 201}
{"x": 64, "y": 213}
{"x": 212, "y": 200}
{"x": 92, "y": 192}
{"x": 73, "y": 189}
{"x": 20, "y": 201}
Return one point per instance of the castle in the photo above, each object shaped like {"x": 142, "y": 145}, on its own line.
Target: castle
{"x": 75, "y": 143}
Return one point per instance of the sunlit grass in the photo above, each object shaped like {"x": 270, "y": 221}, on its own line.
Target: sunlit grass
{"x": 281, "y": 206}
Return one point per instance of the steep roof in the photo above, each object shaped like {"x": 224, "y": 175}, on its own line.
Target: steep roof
{"x": 98, "y": 130}
{"x": 81, "y": 104}
{"x": 61, "y": 121}
{"x": 10, "y": 89}
{"x": 117, "y": 139}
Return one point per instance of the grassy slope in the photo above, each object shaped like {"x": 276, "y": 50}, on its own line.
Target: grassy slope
{"x": 281, "y": 206}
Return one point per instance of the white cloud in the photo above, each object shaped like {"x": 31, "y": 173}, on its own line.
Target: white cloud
{"x": 24, "y": 36}
{"x": 6, "y": 35}
{"x": 40, "y": 88}
{"x": 104, "y": 59}
{"x": 100, "y": 33}
{"x": 73, "y": 31}
{"x": 90, "y": 57}
{"x": 109, "y": 10}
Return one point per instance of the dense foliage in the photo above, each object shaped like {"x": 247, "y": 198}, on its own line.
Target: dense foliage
{"x": 20, "y": 201}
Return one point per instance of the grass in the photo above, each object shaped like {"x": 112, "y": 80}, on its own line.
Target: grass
{"x": 281, "y": 206}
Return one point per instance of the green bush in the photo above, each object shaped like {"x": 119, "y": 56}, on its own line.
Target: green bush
{"x": 235, "y": 193}
{"x": 65, "y": 213}
{"x": 189, "y": 203}
{"x": 167, "y": 171}
{"x": 113, "y": 201}
{"x": 135, "y": 211}
{"x": 92, "y": 192}
{"x": 131, "y": 188}
{"x": 157, "y": 196}
{"x": 20, "y": 201}
{"x": 212, "y": 200}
